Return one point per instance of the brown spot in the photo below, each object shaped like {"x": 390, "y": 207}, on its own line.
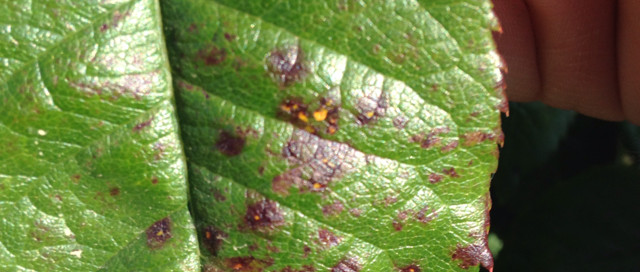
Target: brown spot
{"x": 397, "y": 225}
{"x": 193, "y": 27}
{"x": 402, "y": 215}
{"x": 473, "y": 138}
{"x": 286, "y": 66}
{"x": 158, "y": 233}
{"x": 376, "y": 48}
{"x": 333, "y": 209}
{"x": 142, "y": 125}
{"x": 264, "y": 214}
{"x": 229, "y": 37}
{"x": 114, "y": 191}
{"x": 503, "y": 107}
{"x": 218, "y": 195}
{"x": 247, "y": 264}
{"x": 328, "y": 238}
{"x": 104, "y": 27}
{"x": 347, "y": 265}
{"x": 229, "y": 144}
{"x": 390, "y": 200}
{"x": 317, "y": 162}
{"x": 450, "y": 146}
{"x": 76, "y": 177}
{"x": 213, "y": 239}
{"x": 273, "y": 249}
{"x": 400, "y": 122}
{"x": 261, "y": 170}
{"x": 212, "y": 55}
{"x": 254, "y": 247}
{"x": 411, "y": 268}
{"x": 154, "y": 180}
{"x": 57, "y": 197}
{"x": 451, "y": 172}
{"x": 355, "y": 212}
{"x": 435, "y": 178}
{"x": 371, "y": 108}
{"x": 425, "y": 215}
{"x": 306, "y": 250}
{"x": 472, "y": 255}
{"x": 305, "y": 268}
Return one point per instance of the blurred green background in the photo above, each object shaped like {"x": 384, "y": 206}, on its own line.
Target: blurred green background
{"x": 566, "y": 196}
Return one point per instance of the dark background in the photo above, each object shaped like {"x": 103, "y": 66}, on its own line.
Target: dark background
{"x": 566, "y": 196}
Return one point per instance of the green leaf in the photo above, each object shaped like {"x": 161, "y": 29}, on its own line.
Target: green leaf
{"x": 91, "y": 167}
{"x": 334, "y": 135}
{"x": 320, "y": 135}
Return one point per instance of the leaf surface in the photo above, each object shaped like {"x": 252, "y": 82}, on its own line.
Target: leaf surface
{"x": 338, "y": 135}
{"x": 92, "y": 174}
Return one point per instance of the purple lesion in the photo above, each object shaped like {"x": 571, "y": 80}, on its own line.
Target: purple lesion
{"x": 287, "y": 65}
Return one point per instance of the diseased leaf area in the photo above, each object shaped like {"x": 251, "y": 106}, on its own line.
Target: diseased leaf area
{"x": 338, "y": 135}
{"x": 92, "y": 175}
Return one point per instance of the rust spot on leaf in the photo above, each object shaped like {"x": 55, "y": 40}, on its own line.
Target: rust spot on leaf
{"x": 229, "y": 37}
{"x": 450, "y": 172}
{"x": 76, "y": 178}
{"x": 212, "y": 55}
{"x": 138, "y": 127}
{"x": 426, "y": 215}
{"x": 328, "y": 238}
{"x": 247, "y": 264}
{"x": 355, "y": 212}
{"x": 397, "y": 225}
{"x": 218, "y": 195}
{"x": 305, "y": 268}
{"x": 411, "y": 268}
{"x": 158, "y": 233}
{"x": 333, "y": 209}
{"x": 347, "y": 265}
{"x": 154, "y": 180}
{"x": 229, "y": 144}
{"x": 400, "y": 122}
{"x": 371, "y": 108}
{"x": 473, "y": 138}
{"x": 306, "y": 250}
{"x": 114, "y": 191}
{"x": 264, "y": 214}
{"x": 450, "y": 146}
{"x": 286, "y": 66}
{"x": 435, "y": 178}
{"x": 317, "y": 163}
{"x": 213, "y": 239}
{"x": 472, "y": 255}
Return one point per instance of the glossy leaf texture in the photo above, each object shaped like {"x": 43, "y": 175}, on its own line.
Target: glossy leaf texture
{"x": 92, "y": 174}
{"x": 338, "y": 135}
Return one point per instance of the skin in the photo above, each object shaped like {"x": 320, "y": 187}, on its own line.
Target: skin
{"x": 581, "y": 55}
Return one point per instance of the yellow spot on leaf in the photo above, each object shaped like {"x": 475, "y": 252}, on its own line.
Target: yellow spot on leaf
{"x": 332, "y": 130}
{"x": 320, "y": 114}
{"x": 317, "y": 185}
{"x": 310, "y": 129}
{"x": 160, "y": 233}
{"x": 369, "y": 114}
{"x": 237, "y": 266}
{"x": 303, "y": 117}
{"x": 285, "y": 108}
{"x": 325, "y": 160}
{"x": 207, "y": 234}
{"x": 257, "y": 218}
